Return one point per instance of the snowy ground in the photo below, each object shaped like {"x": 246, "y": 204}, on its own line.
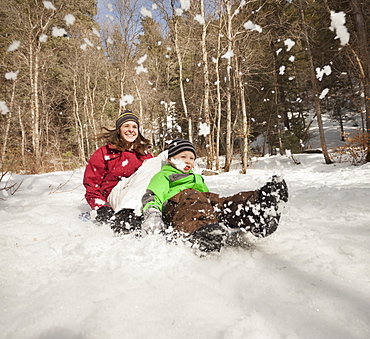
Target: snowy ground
{"x": 64, "y": 278}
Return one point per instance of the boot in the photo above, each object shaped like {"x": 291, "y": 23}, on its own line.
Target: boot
{"x": 127, "y": 222}
{"x": 209, "y": 238}
{"x": 266, "y": 218}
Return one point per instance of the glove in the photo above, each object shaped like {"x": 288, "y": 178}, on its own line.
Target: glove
{"x": 104, "y": 215}
{"x": 153, "y": 222}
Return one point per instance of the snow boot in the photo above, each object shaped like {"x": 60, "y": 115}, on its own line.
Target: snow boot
{"x": 127, "y": 222}
{"x": 266, "y": 215}
{"x": 208, "y": 238}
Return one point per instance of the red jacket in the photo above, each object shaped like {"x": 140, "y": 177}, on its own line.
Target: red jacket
{"x": 105, "y": 169}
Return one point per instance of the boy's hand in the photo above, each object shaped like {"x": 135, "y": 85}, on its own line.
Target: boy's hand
{"x": 153, "y": 222}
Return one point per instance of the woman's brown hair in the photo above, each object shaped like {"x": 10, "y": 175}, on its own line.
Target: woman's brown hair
{"x": 113, "y": 137}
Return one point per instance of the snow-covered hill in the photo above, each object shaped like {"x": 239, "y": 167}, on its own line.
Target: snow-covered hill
{"x": 64, "y": 278}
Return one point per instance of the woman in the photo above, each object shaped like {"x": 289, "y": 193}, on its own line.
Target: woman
{"x": 124, "y": 153}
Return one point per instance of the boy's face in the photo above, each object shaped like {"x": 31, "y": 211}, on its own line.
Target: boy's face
{"x": 183, "y": 161}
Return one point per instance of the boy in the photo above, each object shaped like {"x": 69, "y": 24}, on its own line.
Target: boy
{"x": 180, "y": 199}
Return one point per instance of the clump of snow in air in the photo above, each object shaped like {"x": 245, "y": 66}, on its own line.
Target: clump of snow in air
{"x": 185, "y": 4}
{"x": 154, "y": 7}
{"x": 13, "y": 46}
{"x": 141, "y": 69}
{"x": 126, "y": 100}
{"x": 249, "y": 25}
{"x": 289, "y": 43}
{"x": 282, "y": 70}
{"x": 43, "y": 38}
{"x": 11, "y": 75}
{"x": 88, "y": 42}
{"x": 49, "y": 5}
{"x": 3, "y": 108}
{"x": 146, "y": 12}
{"x": 291, "y": 58}
{"x": 338, "y": 20}
{"x": 324, "y": 92}
{"x": 204, "y": 129}
{"x": 96, "y": 32}
{"x": 320, "y": 72}
{"x": 69, "y": 19}
{"x": 200, "y": 19}
{"x": 142, "y": 59}
{"x": 58, "y": 32}
{"x": 228, "y": 55}
{"x": 83, "y": 47}
{"x": 110, "y": 40}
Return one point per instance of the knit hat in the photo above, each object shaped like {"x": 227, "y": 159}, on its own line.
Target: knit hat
{"x": 126, "y": 115}
{"x": 180, "y": 145}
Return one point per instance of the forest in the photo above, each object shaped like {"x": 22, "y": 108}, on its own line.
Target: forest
{"x": 220, "y": 73}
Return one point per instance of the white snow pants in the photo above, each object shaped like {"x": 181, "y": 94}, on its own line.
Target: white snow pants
{"x": 129, "y": 191}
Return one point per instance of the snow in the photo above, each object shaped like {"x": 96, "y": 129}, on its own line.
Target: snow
{"x": 58, "y": 32}
{"x": 3, "y": 107}
{"x": 204, "y": 129}
{"x": 11, "y": 75}
{"x": 289, "y": 43}
{"x": 200, "y": 19}
{"x": 338, "y": 21}
{"x": 88, "y": 42}
{"x": 320, "y": 72}
{"x": 228, "y": 54}
{"x": 13, "y": 46}
{"x": 49, "y": 5}
{"x": 69, "y": 19}
{"x": 43, "y": 38}
{"x": 185, "y": 4}
{"x": 127, "y": 99}
{"x": 249, "y": 25}
{"x": 146, "y": 12}
{"x": 62, "y": 277}
{"x": 324, "y": 92}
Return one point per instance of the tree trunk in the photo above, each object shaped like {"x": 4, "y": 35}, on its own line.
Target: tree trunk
{"x": 315, "y": 88}
{"x": 245, "y": 130}
{"x": 364, "y": 53}
{"x": 182, "y": 91}
{"x": 219, "y": 103}
{"x": 35, "y": 113}
{"x": 229, "y": 144}
{"x": 207, "y": 113}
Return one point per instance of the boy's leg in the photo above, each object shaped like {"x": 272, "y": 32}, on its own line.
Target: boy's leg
{"x": 192, "y": 213}
{"x": 255, "y": 211}
{"x": 188, "y": 211}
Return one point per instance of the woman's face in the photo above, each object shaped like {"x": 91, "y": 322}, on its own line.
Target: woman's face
{"x": 129, "y": 131}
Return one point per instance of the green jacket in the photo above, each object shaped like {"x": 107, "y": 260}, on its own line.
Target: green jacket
{"x": 168, "y": 182}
